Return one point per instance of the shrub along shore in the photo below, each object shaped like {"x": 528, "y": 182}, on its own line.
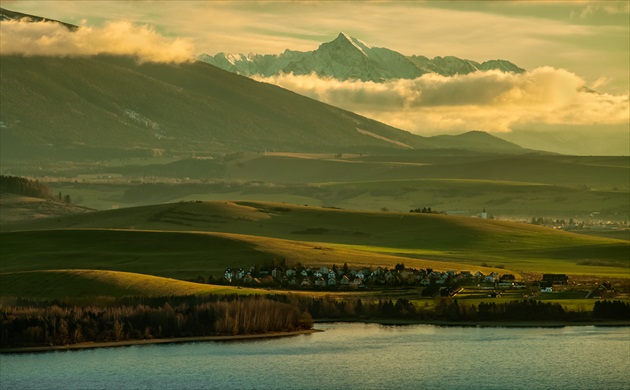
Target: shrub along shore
{"x": 30, "y": 326}
{"x": 37, "y": 324}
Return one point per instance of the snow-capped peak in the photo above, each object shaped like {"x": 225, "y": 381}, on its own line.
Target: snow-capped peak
{"x": 360, "y": 45}
{"x": 347, "y": 58}
{"x": 234, "y": 58}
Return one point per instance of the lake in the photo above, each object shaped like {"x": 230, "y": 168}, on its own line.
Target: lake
{"x": 355, "y": 356}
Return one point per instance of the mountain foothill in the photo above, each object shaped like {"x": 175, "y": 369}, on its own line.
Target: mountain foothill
{"x": 107, "y": 107}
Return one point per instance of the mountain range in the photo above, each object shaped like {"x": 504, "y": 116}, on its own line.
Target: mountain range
{"x": 350, "y": 58}
{"x": 105, "y": 106}
{"x": 108, "y": 105}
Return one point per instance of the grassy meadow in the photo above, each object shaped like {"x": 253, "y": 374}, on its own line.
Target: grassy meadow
{"x": 182, "y": 255}
{"x": 466, "y": 197}
{"x": 187, "y": 240}
{"x": 508, "y": 187}
{"x": 168, "y": 218}
{"x": 78, "y": 283}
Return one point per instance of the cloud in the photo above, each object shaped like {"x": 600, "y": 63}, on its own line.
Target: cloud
{"x": 605, "y": 8}
{"x": 492, "y": 101}
{"x": 116, "y": 38}
{"x": 529, "y": 34}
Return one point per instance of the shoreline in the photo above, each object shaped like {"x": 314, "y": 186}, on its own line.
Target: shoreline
{"x": 479, "y": 324}
{"x": 175, "y": 340}
{"x": 384, "y": 322}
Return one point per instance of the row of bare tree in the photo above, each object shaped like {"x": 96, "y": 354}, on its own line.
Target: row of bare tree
{"x": 34, "y": 324}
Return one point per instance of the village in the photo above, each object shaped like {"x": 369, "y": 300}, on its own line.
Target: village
{"x": 430, "y": 282}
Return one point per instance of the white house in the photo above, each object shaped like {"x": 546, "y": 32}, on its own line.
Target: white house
{"x": 489, "y": 279}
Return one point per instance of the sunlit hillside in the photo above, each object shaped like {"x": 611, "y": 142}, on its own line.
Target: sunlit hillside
{"x": 77, "y": 283}
{"x": 185, "y": 240}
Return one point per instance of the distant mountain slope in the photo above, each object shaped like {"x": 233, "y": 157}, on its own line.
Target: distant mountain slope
{"x": 109, "y": 107}
{"x": 6, "y": 14}
{"x": 112, "y": 105}
{"x": 350, "y": 58}
{"x": 474, "y": 140}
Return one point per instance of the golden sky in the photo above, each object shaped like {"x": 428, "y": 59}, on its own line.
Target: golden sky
{"x": 566, "y": 46}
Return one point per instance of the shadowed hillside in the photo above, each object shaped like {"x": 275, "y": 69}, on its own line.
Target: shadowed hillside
{"x": 106, "y": 107}
{"x": 508, "y": 187}
{"x": 119, "y": 106}
{"x": 250, "y": 232}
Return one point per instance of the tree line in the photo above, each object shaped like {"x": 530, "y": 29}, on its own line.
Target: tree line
{"x": 452, "y": 310}
{"x": 25, "y": 187}
{"x": 611, "y": 310}
{"x": 35, "y": 323}
{"x": 30, "y": 323}
{"x": 446, "y": 309}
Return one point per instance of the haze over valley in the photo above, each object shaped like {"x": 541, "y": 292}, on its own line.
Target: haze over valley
{"x": 466, "y": 165}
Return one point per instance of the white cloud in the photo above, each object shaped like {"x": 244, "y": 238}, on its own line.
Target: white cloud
{"x": 117, "y": 38}
{"x": 606, "y": 8}
{"x": 529, "y": 34}
{"x": 491, "y": 101}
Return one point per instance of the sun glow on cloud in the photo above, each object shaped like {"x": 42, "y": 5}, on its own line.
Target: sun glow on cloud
{"x": 492, "y": 100}
{"x": 116, "y": 38}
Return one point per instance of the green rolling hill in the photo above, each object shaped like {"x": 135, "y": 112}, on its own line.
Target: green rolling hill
{"x": 185, "y": 240}
{"x": 508, "y": 187}
{"x": 87, "y": 284}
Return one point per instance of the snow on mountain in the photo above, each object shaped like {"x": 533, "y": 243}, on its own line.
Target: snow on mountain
{"x": 347, "y": 58}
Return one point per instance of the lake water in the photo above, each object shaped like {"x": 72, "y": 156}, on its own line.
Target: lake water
{"x": 351, "y": 356}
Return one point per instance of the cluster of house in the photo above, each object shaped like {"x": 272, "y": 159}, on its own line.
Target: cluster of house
{"x": 550, "y": 280}
{"x": 327, "y": 277}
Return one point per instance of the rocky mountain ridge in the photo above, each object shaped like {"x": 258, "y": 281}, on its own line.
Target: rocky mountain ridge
{"x": 348, "y": 58}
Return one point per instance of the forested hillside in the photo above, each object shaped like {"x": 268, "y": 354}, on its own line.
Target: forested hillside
{"x": 25, "y": 187}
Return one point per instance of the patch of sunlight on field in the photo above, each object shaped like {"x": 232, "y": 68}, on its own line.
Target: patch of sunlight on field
{"x": 497, "y": 262}
{"x": 420, "y": 258}
{"x": 78, "y": 283}
{"x": 251, "y": 197}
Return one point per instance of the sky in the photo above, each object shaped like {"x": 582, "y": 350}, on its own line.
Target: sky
{"x": 567, "y": 47}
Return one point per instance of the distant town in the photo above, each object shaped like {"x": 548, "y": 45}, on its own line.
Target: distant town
{"x": 429, "y": 282}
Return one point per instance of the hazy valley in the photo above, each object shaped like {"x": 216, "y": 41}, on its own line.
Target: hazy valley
{"x": 147, "y": 200}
